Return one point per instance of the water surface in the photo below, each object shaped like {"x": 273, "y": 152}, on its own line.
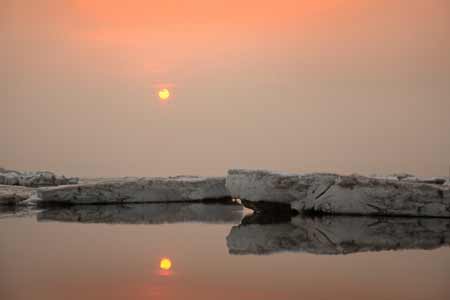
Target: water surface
{"x": 218, "y": 252}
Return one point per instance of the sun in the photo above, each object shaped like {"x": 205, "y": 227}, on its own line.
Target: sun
{"x": 164, "y": 94}
{"x": 165, "y": 264}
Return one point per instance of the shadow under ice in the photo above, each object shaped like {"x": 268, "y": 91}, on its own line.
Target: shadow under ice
{"x": 336, "y": 234}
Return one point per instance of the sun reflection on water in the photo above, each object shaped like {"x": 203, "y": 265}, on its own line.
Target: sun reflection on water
{"x": 165, "y": 266}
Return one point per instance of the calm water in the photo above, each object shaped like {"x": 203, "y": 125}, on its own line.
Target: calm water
{"x": 218, "y": 252}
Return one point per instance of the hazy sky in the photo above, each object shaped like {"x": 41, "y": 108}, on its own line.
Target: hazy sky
{"x": 341, "y": 85}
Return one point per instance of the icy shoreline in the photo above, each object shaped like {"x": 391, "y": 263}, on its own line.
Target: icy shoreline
{"x": 262, "y": 191}
{"x": 323, "y": 193}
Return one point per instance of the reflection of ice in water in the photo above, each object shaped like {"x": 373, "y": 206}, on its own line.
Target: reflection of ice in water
{"x": 337, "y": 234}
{"x": 261, "y": 234}
{"x": 122, "y": 261}
{"x": 151, "y": 213}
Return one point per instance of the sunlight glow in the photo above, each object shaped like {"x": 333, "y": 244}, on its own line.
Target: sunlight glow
{"x": 165, "y": 264}
{"x": 164, "y": 94}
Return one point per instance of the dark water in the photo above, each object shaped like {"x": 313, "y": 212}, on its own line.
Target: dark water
{"x": 218, "y": 252}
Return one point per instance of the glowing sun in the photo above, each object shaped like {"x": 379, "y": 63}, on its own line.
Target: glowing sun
{"x": 165, "y": 264}
{"x": 164, "y": 94}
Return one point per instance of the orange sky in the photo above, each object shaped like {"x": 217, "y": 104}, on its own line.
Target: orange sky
{"x": 293, "y": 85}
